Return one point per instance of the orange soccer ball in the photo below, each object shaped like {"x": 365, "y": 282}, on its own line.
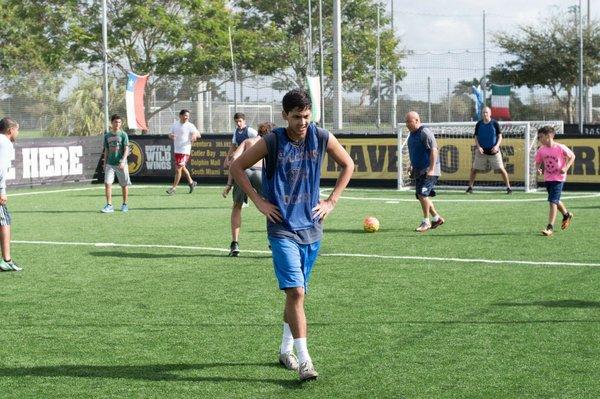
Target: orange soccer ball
{"x": 371, "y": 224}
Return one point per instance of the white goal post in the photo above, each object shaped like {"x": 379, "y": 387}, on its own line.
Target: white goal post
{"x": 456, "y": 148}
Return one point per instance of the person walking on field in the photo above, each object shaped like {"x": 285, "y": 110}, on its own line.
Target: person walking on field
{"x": 424, "y": 168}
{"x": 9, "y": 130}
{"x": 295, "y": 213}
{"x": 242, "y": 132}
{"x": 557, "y": 159}
{"x": 488, "y": 138}
{"x": 240, "y": 198}
{"x": 116, "y": 151}
{"x": 183, "y": 133}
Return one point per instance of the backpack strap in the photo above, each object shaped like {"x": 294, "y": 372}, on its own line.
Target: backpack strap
{"x": 270, "y": 161}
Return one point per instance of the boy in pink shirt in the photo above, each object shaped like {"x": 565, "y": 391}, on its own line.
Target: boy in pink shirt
{"x": 557, "y": 159}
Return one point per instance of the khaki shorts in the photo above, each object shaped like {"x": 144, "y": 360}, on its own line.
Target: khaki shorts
{"x": 255, "y": 177}
{"x": 122, "y": 175}
{"x": 486, "y": 162}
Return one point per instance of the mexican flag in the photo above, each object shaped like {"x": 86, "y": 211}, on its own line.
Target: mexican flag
{"x": 500, "y": 98}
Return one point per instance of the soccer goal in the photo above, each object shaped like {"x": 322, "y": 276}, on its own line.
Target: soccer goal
{"x": 456, "y": 148}
{"x": 255, "y": 114}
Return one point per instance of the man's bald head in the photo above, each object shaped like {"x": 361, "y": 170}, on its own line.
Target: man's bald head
{"x": 413, "y": 121}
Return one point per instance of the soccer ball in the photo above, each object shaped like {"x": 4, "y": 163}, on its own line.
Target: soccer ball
{"x": 371, "y": 224}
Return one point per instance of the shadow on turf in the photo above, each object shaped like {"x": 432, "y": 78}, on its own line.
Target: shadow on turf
{"x": 150, "y": 372}
{"x": 564, "y": 303}
{"x": 146, "y": 255}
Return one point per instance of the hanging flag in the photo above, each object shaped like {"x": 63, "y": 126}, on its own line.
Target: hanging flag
{"x": 314, "y": 90}
{"x": 134, "y": 100}
{"x": 500, "y": 99}
{"x": 477, "y": 96}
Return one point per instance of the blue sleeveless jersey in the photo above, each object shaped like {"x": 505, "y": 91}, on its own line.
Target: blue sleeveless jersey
{"x": 294, "y": 187}
{"x": 241, "y": 135}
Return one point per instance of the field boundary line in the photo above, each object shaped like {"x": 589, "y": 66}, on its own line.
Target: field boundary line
{"x": 392, "y": 200}
{"x": 341, "y": 255}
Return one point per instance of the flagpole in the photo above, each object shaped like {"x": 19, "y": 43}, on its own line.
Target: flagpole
{"x": 105, "y": 67}
{"x": 321, "y": 56}
{"x": 234, "y": 73}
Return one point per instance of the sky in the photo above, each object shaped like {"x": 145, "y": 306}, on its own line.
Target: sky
{"x": 446, "y": 37}
{"x": 457, "y": 24}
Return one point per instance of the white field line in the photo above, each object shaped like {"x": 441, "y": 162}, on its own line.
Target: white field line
{"x": 345, "y": 255}
{"x": 98, "y": 187}
{"x": 391, "y": 200}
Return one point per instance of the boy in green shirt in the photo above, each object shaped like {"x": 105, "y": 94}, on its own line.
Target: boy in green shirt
{"x": 116, "y": 150}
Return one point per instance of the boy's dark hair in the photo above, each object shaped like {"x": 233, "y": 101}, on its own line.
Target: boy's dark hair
{"x": 239, "y": 115}
{"x": 115, "y": 117}
{"x": 296, "y": 98}
{"x": 546, "y": 130}
{"x": 265, "y": 128}
{"x": 6, "y": 123}
{"x": 183, "y": 112}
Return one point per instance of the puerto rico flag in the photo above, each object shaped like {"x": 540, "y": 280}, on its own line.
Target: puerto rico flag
{"x": 500, "y": 99}
{"x": 134, "y": 100}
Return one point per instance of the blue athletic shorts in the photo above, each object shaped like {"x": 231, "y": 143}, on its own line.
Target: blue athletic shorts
{"x": 554, "y": 189}
{"x": 424, "y": 186}
{"x": 293, "y": 262}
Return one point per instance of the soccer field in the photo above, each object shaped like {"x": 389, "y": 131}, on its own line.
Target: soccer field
{"x": 147, "y": 304}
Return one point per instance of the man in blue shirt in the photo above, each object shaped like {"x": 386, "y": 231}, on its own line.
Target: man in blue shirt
{"x": 290, "y": 201}
{"x": 488, "y": 137}
{"x": 424, "y": 168}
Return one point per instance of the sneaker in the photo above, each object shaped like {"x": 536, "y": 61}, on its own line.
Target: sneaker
{"x": 423, "y": 227}
{"x": 566, "y": 221}
{"x": 124, "y": 208}
{"x": 509, "y": 191}
{"x": 307, "y": 372}
{"x": 192, "y": 185}
{"x": 289, "y": 361}
{"x": 171, "y": 191}
{"x": 9, "y": 266}
{"x": 469, "y": 190}
{"x": 108, "y": 208}
{"x": 548, "y": 231}
{"x": 235, "y": 249}
{"x": 437, "y": 223}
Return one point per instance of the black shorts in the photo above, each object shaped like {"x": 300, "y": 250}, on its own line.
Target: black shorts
{"x": 424, "y": 186}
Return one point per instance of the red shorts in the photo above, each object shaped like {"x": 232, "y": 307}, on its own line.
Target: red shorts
{"x": 181, "y": 159}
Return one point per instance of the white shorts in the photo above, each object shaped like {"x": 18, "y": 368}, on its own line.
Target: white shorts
{"x": 122, "y": 175}
{"x": 486, "y": 162}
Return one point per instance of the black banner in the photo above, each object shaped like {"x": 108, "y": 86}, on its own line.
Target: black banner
{"x": 55, "y": 161}
{"x": 588, "y": 130}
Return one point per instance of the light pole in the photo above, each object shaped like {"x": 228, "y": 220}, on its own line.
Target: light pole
{"x": 105, "y": 62}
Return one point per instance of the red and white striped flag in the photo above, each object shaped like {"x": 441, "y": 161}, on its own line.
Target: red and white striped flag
{"x": 134, "y": 100}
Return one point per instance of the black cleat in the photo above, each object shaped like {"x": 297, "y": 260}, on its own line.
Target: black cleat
{"x": 469, "y": 190}
{"x": 235, "y": 249}
{"x": 508, "y": 190}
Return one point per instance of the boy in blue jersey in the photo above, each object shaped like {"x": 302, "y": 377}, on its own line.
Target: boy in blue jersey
{"x": 488, "y": 137}
{"x": 290, "y": 201}
{"x": 424, "y": 168}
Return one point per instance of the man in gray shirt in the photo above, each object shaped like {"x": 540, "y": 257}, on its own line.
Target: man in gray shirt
{"x": 424, "y": 168}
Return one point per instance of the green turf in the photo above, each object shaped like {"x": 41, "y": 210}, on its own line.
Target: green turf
{"x": 157, "y": 322}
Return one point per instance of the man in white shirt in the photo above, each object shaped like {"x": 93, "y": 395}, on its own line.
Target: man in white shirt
{"x": 183, "y": 134}
{"x": 9, "y": 130}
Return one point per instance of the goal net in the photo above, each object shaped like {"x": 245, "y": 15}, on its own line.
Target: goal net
{"x": 456, "y": 148}
{"x": 255, "y": 114}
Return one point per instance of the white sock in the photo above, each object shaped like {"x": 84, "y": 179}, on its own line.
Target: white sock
{"x": 302, "y": 350}
{"x": 435, "y": 218}
{"x": 426, "y": 220}
{"x": 287, "y": 340}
